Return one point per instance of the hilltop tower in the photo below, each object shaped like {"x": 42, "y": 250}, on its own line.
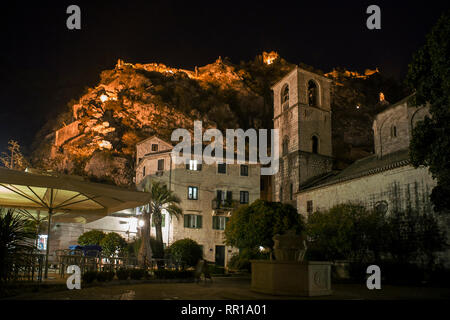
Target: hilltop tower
{"x": 302, "y": 113}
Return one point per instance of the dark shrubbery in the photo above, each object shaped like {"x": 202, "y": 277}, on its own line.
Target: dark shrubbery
{"x": 123, "y": 274}
{"x": 402, "y": 243}
{"x": 89, "y": 276}
{"x": 104, "y": 276}
{"x": 173, "y": 274}
{"x": 186, "y": 252}
{"x": 241, "y": 261}
{"x": 137, "y": 274}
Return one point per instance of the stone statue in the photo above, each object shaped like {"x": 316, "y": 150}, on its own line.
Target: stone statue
{"x": 289, "y": 246}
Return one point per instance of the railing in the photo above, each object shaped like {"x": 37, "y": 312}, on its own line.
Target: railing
{"x": 224, "y": 204}
{"x": 28, "y": 267}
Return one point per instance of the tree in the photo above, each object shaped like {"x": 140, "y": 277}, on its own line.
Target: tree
{"x": 16, "y": 239}
{"x": 163, "y": 199}
{"x": 254, "y": 225}
{"x": 93, "y": 237}
{"x": 412, "y": 236}
{"x": 429, "y": 75}
{"x": 187, "y": 252}
{"x": 113, "y": 244}
{"x": 14, "y": 160}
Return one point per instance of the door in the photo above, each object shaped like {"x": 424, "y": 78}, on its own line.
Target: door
{"x": 220, "y": 256}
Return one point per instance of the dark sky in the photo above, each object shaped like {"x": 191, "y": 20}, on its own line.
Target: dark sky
{"x": 44, "y": 65}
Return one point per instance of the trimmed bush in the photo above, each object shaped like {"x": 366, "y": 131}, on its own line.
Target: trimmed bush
{"x": 173, "y": 274}
{"x": 93, "y": 237}
{"x": 89, "y": 276}
{"x": 186, "y": 252}
{"x": 241, "y": 261}
{"x": 105, "y": 276}
{"x": 113, "y": 243}
{"x": 123, "y": 274}
{"x": 137, "y": 274}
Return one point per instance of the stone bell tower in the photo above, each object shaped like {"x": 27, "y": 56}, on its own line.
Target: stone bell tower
{"x": 302, "y": 113}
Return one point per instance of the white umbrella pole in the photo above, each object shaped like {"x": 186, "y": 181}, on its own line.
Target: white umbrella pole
{"x": 48, "y": 242}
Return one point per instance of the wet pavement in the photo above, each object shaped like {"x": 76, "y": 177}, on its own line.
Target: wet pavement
{"x": 229, "y": 288}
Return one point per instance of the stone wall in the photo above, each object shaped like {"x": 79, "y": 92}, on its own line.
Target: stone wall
{"x": 397, "y": 187}
{"x": 66, "y": 133}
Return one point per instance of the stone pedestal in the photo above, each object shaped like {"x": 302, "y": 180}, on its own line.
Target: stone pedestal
{"x": 309, "y": 278}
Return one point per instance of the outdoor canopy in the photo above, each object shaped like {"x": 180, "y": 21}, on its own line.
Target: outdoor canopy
{"x": 69, "y": 198}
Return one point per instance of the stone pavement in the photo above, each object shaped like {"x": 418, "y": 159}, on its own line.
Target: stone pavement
{"x": 233, "y": 288}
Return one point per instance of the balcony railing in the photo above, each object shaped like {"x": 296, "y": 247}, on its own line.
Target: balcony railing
{"x": 224, "y": 204}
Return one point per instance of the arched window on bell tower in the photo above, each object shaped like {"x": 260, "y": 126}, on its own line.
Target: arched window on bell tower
{"x": 313, "y": 94}
{"x": 315, "y": 144}
{"x": 285, "y": 97}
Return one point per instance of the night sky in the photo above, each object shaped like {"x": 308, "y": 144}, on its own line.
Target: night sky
{"x": 44, "y": 65}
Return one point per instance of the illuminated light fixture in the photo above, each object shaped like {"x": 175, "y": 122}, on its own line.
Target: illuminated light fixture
{"x": 141, "y": 223}
{"x": 357, "y": 107}
{"x": 261, "y": 248}
{"x": 103, "y": 97}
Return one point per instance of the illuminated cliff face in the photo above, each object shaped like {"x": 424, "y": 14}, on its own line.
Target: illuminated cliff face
{"x": 270, "y": 57}
{"x": 335, "y": 74}
{"x": 134, "y": 101}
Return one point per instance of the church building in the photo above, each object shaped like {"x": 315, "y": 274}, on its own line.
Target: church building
{"x": 382, "y": 181}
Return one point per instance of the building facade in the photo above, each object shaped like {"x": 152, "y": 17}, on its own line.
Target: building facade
{"x": 209, "y": 193}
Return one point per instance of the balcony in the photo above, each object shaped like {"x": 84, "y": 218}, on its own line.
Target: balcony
{"x": 224, "y": 207}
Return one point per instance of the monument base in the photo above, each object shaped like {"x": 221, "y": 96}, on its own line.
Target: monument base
{"x": 290, "y": 278}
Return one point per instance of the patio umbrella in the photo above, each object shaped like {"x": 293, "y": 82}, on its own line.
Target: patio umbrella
{"x": 68, "y": 198}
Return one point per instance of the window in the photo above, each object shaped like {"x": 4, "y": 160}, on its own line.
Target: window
{"x": 309, "y": 206}
{"x": 244, "y": 197}
{"x": 192, "y": 193}
{"x": 244, "y": 170}
{"x": 222, "y": 168}
{"x": 285, "y": 97}
{"x": 312, "y": 94}
{"x": 163, "y": 220}
{"x": 281, "y": 194}
{"x": 393, "y": 131}
{"x": 193, "y": 221}
{"x": 315, "y": 144}
{"x": 193, "y": 165}
{"x": 224, "y": 197}
{"x": 261, "y": 184}
{"x": 219, "y": 222}
{"x": 154, "y": 147}
{"x": 143, "y": 171}
{"x": 160, "y": 164}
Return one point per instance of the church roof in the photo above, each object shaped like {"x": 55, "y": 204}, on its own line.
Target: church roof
{"x": 362, "y": 167}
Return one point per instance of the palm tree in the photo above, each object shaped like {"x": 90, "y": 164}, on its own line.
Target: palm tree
{"x": 16, "y": 240}
{"x": 162, "y": 199}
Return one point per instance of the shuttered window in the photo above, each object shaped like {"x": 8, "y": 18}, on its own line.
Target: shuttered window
{"x": 193, "y": 221}
{"x": 244, "y": 170}
{"x": 219, "y": 222}
{"x": 192, "y": 193}
{"x": 222, "y": 168}
{"x": 244, "y": 197}
{"x": 161, "y": 164}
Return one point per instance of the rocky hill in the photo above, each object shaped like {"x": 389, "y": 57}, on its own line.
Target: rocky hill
{"x": 96, "y": 136}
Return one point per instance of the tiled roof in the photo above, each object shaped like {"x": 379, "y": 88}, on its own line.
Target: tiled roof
{"x": 362, "y": 167}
